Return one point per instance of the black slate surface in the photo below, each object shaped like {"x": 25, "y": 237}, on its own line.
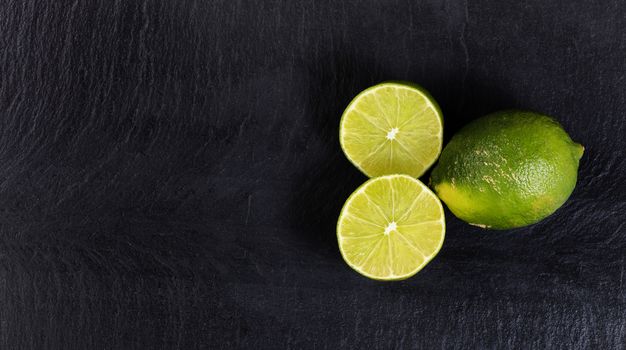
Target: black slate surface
{"x": 171, "y": 176}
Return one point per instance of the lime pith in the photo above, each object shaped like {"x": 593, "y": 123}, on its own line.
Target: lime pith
{"x": 390, "y": 227}
{"x": 392, "y": 128}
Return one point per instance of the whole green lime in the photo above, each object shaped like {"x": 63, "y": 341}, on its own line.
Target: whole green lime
{"x": 508, "y": 169}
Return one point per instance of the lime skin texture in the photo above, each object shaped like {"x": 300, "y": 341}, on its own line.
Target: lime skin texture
{"x": 508, "y": 169}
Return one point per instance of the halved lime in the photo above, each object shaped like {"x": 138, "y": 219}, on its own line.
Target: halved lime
{"x": 392, "y": 128}
{"x": 390, "y": 227}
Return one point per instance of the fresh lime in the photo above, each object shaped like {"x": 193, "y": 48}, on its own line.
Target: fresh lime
{"x": 390, "y": 227}
{"x": 508, "y": 169}
{"x": 392, "y": 128}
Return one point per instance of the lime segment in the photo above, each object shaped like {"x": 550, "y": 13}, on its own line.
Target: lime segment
{"x": 390, "y": 227}
{"x": 392, "y": 128}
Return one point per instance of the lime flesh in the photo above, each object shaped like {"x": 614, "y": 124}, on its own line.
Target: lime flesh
{"x": 392, "y": 128}
{"x": 390, "y": 227}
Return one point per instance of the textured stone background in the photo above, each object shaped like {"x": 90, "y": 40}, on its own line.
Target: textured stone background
{"x": 170, "y": 174}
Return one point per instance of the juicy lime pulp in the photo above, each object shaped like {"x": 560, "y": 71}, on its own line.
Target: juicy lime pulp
{"x": 508, "y": 169}
{"x": 392, "y": 128}
{"x": 390, "y": 227}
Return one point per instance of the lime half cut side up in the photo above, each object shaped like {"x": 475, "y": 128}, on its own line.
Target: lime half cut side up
{"x": 392, "y": 128}
{"x": 390, "y": 228}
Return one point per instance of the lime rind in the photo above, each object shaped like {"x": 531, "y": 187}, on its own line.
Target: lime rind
{"x": 509, "y": 169}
